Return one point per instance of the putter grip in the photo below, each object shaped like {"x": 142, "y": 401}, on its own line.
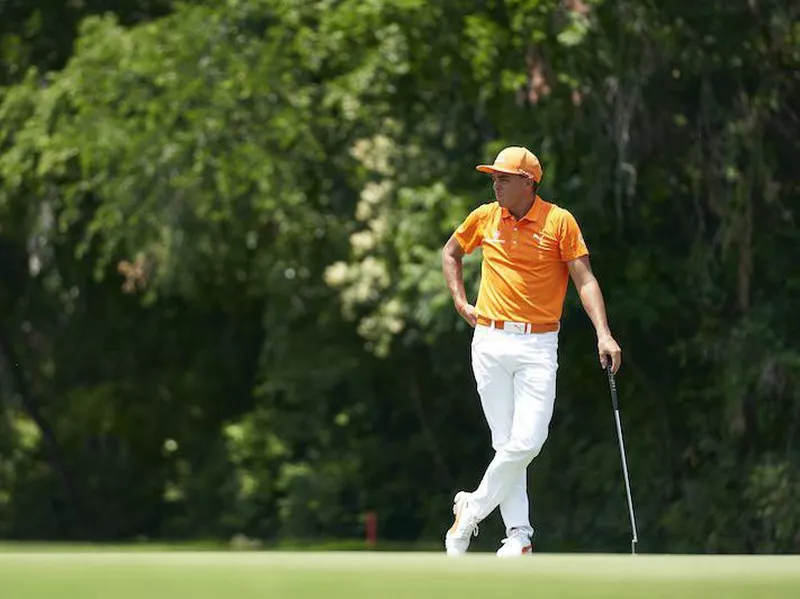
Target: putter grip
{"x": 612, "y": 383}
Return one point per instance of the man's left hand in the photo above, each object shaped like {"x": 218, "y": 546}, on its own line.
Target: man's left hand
{"x": 608, "y": 349}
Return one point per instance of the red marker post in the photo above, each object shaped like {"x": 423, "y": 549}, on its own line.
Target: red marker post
{"x": 371, "y": 528}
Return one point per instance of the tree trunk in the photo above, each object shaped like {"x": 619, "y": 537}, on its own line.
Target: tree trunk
{"x": 53, "y": 450}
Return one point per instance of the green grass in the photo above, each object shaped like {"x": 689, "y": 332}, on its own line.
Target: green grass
{"x": 35, "y": 574}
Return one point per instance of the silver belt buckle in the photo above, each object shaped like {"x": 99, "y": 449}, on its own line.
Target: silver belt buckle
{"x": 515, "y": 327}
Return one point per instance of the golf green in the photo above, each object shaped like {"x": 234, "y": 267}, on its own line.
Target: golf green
{"x": 202, "y": 575}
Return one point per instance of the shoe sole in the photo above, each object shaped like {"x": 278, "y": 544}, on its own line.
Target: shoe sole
{"x": 525, "y": 551}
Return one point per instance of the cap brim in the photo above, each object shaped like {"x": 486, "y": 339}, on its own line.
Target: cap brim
{"x": 488, "y": 168}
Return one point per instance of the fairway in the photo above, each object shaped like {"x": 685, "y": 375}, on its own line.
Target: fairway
{"x": 202, "y": 575}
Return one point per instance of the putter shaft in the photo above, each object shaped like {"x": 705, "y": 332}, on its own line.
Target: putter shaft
{"x": 615, "y": 403}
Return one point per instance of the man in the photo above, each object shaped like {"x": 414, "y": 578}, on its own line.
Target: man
{"x": 530, "y": 249}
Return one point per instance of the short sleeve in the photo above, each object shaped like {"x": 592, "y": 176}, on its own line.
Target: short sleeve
{"x": 469, "y": 234}
{"x": 571, "y": 244}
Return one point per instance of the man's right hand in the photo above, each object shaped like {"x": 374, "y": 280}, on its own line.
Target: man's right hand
{"x": 467, "y": 312}
{"x": 451, "y": 266}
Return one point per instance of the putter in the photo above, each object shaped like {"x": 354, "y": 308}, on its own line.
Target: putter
{"x": 612, "y": 383}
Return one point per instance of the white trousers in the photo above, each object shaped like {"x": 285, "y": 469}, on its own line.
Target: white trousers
{"x": 516, "y": 379}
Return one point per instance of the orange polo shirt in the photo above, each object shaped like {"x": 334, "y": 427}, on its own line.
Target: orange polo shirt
{"x": 524, "y": 274}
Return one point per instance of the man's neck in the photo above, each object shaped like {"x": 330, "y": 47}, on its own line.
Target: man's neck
{"x": 521, "y": 210}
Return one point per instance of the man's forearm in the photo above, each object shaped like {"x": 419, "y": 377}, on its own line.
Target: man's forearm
{"x": 453, "y": 275}
{"x": 593, "y": 303}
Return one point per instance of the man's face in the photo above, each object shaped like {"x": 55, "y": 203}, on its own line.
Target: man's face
{"x": 510, "y": 190}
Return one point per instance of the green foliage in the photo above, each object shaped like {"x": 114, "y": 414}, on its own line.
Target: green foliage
{"x": 41, "y": 33}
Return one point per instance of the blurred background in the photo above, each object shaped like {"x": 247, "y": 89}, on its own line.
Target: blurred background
{"x": 222, "y": 314}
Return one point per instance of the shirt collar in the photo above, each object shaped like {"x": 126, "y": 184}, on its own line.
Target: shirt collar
{"x": 532, "y": 214}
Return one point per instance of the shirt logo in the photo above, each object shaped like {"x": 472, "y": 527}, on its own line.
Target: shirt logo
{"x": 494, "y": 239}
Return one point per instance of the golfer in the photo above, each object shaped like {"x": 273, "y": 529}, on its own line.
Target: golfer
{"x": 529, "y": 246}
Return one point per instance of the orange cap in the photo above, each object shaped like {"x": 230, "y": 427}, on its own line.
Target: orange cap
{"x": 515, "y": 160}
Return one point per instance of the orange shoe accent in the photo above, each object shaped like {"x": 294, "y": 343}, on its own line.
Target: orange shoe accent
{"x": 455, "y": 522}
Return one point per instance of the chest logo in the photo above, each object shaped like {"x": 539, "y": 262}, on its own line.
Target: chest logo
{"x": 495, "y": 238}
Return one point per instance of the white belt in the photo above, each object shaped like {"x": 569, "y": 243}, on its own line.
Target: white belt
{"x": 520, "y": 328}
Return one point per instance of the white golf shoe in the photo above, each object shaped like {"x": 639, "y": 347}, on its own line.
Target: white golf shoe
{"x": 517, "y": 544}
{"x": 465, "y": 525}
